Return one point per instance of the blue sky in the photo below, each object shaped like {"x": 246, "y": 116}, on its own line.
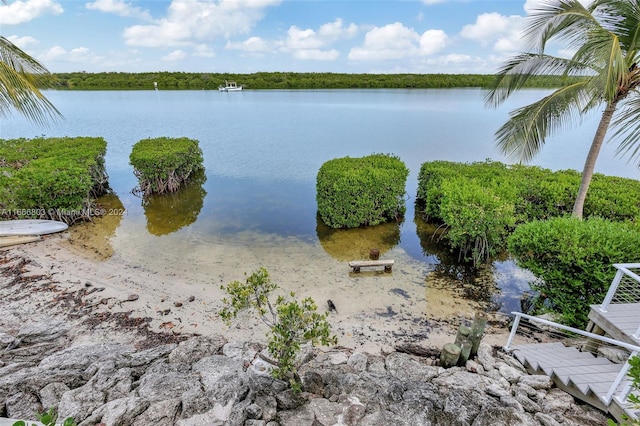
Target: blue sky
{"x": 351, "y": 36}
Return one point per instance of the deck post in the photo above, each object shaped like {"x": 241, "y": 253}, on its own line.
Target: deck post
{"x": 612, "y": 291}
{"x": 514, "y": 328}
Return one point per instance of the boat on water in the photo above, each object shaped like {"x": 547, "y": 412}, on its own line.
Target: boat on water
{"x": 230, "y": 86}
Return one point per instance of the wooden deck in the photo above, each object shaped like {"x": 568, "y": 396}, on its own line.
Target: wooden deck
{"x": 581, "y": 368}
{"x": 620, "y": 321}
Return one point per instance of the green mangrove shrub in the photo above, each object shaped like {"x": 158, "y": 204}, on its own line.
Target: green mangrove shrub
{"x": 51, "y": 178}
{"x": 291, "y": 322}
{"x": 525, "y": 192}
{"x": 164, "y": 164}
{"x": 353, "y": 192}
{"x": 476, "y": 217}
{"x": 572, "y": 260}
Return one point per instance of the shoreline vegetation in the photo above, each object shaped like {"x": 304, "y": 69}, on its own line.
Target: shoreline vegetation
{"x": 279, "y": 80}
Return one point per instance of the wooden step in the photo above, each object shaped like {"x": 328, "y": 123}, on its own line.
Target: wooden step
{"x": 548, "y": 355}
{"x": 563, "y": 367}
{"x": 528, "y": 354}
{"x": 585, "y": 373}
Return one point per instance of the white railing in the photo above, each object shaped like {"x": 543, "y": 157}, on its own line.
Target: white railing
{"x": 633, "y": 349}
{"x": 625, "y": 287}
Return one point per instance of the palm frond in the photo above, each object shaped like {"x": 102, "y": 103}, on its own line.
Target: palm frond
{"x": 627, "y": 129}
{"x": 20, "y": 75}
{"x": 563, "y": 20}
{"x": 602, "y": 51}
{"x": 517, "y": 71}
{"x": 524, "y": 134}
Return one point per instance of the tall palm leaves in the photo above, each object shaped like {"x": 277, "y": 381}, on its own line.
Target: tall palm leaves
{"x": 603, "y": 72}
{"x": 19, "y": 80}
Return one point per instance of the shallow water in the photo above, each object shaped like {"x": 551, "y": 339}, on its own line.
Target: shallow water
{"x": 255, "y": 203}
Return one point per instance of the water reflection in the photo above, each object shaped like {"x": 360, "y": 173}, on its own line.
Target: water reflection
{"x": 167, "y": 213}
{"x": 355, "y": 243}
{"x": 495, "y": 286}
{"x": 95, "y": 236}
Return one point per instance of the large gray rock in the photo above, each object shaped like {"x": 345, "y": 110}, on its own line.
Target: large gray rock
{"x": 44, "y": 331}
{"x": 193, "y": 384}
{"x": 195, "y": 349}
{"x": 406, "y": 368}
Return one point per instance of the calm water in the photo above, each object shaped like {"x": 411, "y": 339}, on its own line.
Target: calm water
{"x": 262, "y": 151}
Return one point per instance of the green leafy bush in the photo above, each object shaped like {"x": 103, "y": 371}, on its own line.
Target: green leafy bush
{"x": 353, "y": 192}
{"x": 55, "y": 178}
{"x": 291, "y": 323}
{"x": 477, "y": 218}
{"x": 528, "y": 193}
{"x": 164, "y": 164}
{"x": 572, "y": 260}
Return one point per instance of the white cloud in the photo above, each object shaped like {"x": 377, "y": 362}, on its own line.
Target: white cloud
{"x": 430, "y": 2}
{"x": 251, "y": 45}
{"x": 120, "y": 8}
{"x": 175, "y": 56}
{"x": 433, "y": 41}
{"x": 191, "y": 21}
{"x": 203, "y": 51}
{"x": 326, "y": 35}
{"x": 308, "y": 44}
{"x": 23, "y": 42}
{"x": 336, "y": 30}
{"x": 395, "y": 41}
{"x": 317, "y": 55}
{"x": 302, "y": 39}
{"x": 503, "y": 33}
{"x": 19, "y": 12}
{"x": 80, "y": 55}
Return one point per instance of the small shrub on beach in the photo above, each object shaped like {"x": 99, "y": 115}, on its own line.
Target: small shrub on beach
{"x": 353, "y": 192}
{"x": 164, "y": 164}
{"x": 291, "y": 322}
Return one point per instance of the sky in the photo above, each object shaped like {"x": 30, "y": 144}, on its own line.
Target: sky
{"x": 247, "y": 36}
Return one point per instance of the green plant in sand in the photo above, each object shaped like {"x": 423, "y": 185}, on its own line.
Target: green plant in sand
{"x": 291, "y": 322}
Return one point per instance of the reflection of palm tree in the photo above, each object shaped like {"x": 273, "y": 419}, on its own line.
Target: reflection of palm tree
{"x": 20, "y": 76}
{"x": 607, "y": 51}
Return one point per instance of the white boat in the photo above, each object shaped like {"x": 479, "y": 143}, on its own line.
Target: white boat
{"x": 230, "y": 86}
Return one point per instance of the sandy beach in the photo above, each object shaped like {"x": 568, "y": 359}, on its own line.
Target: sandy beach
{"x": 123, "y": 295}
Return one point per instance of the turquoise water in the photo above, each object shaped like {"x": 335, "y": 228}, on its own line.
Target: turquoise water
{"x": 262, "y": 151}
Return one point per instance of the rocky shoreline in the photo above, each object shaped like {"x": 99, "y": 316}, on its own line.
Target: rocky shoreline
{"x": 111, "y": 368}
{"x": 209, "y": 381}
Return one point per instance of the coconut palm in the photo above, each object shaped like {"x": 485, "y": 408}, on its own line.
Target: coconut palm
{"x": 20, "y": 76}
{"x": 602, "y": 73}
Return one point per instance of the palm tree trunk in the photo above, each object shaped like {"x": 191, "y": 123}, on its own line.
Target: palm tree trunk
{"x": 590, "y": 163}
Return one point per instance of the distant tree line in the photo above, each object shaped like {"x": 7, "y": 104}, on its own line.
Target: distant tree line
{"x": 278, "y": 80}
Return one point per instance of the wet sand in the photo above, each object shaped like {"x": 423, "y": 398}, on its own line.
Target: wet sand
{"x": 175, "y": 289}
